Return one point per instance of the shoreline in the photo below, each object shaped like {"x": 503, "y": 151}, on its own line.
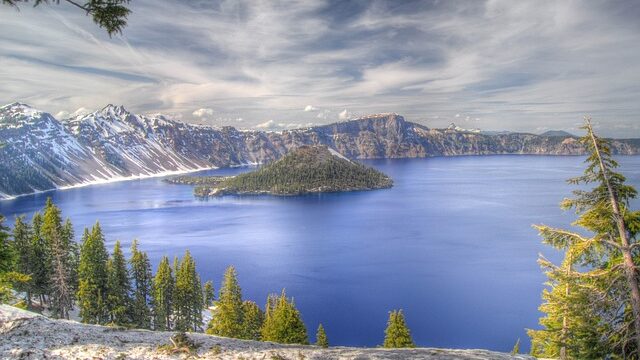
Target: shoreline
{"x": 109, "y": 181}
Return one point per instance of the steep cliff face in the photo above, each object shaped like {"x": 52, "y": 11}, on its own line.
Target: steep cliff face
{"x": 41, "y": 152}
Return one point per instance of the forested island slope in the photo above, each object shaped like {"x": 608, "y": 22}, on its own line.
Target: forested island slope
{"x": 307, "y": 169}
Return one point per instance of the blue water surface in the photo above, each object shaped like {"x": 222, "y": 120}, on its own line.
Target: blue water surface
{"x": 451, "y": 243}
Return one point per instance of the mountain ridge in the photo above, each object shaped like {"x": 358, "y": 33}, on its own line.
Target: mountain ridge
{"x": 43, "y": 153}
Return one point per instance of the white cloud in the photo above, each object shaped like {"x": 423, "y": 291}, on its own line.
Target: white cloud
{"x": 344, "y": 115}
{"x": 65, "y": 114}
{"x": 511, "y": 65}
{"x": 269, "y": 124}
{"x": 203, "y": 113}
{"x": 272, "y": 125}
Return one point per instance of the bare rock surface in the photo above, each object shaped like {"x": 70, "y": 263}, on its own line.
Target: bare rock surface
{"x": 26, "y": 335}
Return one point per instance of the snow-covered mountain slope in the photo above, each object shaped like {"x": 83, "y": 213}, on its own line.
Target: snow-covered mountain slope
{"x": 39, "y": 152}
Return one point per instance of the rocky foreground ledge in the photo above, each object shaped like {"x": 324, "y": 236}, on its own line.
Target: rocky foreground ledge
{"x": 26, "y": 335}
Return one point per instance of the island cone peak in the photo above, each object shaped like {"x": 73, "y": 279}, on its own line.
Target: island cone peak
{"x": 307, "y": 169}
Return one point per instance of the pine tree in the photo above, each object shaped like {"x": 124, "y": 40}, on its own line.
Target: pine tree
{"x": 74, "y": 254}
{"x": 283, "y": 322}
{"x": 252, "y": 319}
{"x": 208, "y": 294}
{"x": 163, "y": 288}
{"x": 118, "y": 288}
{"x": 141, "y": 283}
{"x": 41, "y": 261}
{"x": 593, "y": 306}
{"x": 321, "y": 337}
{"x": 7, "y": 255}
{"x": 22, "y": 249}
{"x": 60, "y": 279}
{"x": 92, "y": 276}
{"x": 188, "y": 302}
{"x": 227, "y": 316}
{"x": 397, "y": 334}
{"x": 7, "y": 263}
{"x": 516, "y": 348}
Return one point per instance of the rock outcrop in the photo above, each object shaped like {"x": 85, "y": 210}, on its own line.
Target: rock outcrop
{"x": 26, "y": 335}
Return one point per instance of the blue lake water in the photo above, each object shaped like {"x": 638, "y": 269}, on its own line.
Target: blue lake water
{"x": 451, "y": 243}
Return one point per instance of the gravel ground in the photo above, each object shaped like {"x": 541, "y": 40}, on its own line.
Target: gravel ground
{"x": 26, "y": 335}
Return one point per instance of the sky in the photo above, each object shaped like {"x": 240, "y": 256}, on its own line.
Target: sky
{"x": 494, "y": 65}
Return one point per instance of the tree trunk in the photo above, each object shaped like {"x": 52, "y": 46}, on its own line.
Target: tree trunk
{"x": 629, "y": 266}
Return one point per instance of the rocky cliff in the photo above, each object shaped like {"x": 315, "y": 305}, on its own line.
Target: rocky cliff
{"x": 25, "y": 335}
{"x": 40, "y": 152}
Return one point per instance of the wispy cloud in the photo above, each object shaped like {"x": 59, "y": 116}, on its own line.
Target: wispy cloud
{"x": 512, "y": 65}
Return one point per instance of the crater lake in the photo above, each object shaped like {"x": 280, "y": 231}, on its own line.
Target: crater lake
{"x": 451, "y": 243}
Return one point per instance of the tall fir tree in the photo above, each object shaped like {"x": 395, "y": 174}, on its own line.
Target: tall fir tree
{"x": 92, "y": 277}
{"x": 227, "y": 317}
{"x": 61, "y": 288}
{"x": 22, "y": 249}
{"x": 74, "y": 253}
{"x": 397, "y": 334}
{"x": 208, "y": 294}
{"x": 188, "y": 302}
{"x": 41, "y": 261}
{"x": 252, "y": 320}
{"x": 7, "y": 262}
{"x": 283, "y": 322}
{"x": 118, "y": 288}
{"x": 321, "y": 337}
{"x": 141, "y": 284}
{"x": 593, "y": 306}
{"x": 163, "y": 289}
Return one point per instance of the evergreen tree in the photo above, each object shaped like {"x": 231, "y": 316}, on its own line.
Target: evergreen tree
{"x": 321, "y": 337}
{"x": 7, "y": 262}
{"x": 118, "y": 288}
{"x": 593, "y": 306}
{"x": 74, "y": 253}
{"x": 188, "y": 302}
{"x": 22, "y": 249}
{"x": 208, "y": 294}
{"x": 516, "y": 348}
{"x": 163, "y": 288}
{"x": 59, "y": 249}
{"x": 141, "y": 282}
{"x": 41, "y": 261}
{"x": 397, "y": 334}
{"x": 92, "y": 275}
{"x": 252, "y": 319}
{"x": 109, "y": 15}
{"x": 283, "y": 322}
{"x": 227, "y": 316}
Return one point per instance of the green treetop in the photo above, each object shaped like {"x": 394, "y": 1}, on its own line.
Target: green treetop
{"x": 593, "y": 304}
{"x": 252, "y": 320}
{"x": 59, "y": 244}
{"x": 397, "y": 334}
{"x": 283, "y": 322}
{"x": 208, "y": 294}
{"x": 227, "y": 316}
{"x": 163, "y": 288}
{"x": 118, "y": 288}
{"x": 24, "y": 257}
{"x": 92, "y": 276}
{"x": 141, "y": 283}
{"x": 41, "y": 260}
{"x": 188, "y": 296}
{"x": 321, "y": 337}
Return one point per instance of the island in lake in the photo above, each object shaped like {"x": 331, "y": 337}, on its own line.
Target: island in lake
{"x": 307, "y": 169}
